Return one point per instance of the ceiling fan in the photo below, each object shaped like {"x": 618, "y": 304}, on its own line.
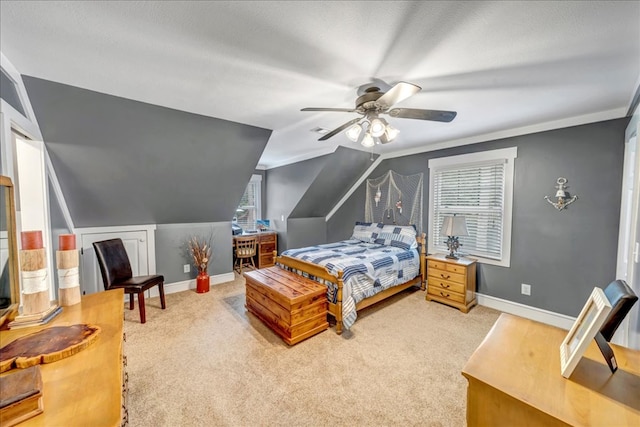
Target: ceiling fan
{"x": 371, "y": 129}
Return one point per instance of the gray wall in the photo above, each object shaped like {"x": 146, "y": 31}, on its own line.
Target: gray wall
{"x": 309, "y": 190}
{"x": 303, "y": 232}
{"x": 285, "y": 187}
{"x": 341, "y": 169}
{"x": 562, "y": 255}
{"x": 123, "y": 162}
{"x": 172, "y": 249}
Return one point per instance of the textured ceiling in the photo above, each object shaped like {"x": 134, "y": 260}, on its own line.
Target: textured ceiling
{"x": 500, "y": 65}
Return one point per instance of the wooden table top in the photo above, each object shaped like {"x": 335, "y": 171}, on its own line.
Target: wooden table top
{"x": 521, "y": 358}
{"x": 84, "y": 389}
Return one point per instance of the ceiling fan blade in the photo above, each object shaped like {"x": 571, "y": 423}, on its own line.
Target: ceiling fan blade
{"x": 343, "y": 110}
{"x": 414, "y": 113}
{"x": 397, "y": 93}
{"x": 339, "y": 129}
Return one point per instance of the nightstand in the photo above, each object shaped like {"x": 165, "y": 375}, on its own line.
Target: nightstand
{"x": 451, "y": 281}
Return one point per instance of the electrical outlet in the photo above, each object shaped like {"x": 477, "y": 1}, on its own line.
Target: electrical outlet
{"x": 525, "y": 289}
{"x": 187, "y": 268}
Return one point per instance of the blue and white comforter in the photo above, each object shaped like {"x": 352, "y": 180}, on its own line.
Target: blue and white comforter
{"x": 368, "y": 268}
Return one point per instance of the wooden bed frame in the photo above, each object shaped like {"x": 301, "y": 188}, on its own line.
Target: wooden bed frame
{"x": 335, "y": 309}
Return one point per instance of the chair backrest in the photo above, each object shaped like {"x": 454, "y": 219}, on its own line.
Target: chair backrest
{"x": 113, "y": 260}
{"x": 246, "y": 246}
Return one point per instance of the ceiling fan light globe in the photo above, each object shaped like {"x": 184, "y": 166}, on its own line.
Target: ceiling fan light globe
{"x": 391, "y": 133}
{"x": 368, "y": 141}
{"x": 354, "y": 132}
{"x": 377, "y": 127}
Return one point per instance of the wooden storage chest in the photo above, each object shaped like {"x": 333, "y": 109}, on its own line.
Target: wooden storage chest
{"x": 294, "y": 307}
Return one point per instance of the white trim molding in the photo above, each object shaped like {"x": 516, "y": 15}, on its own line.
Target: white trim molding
{"x": 55, "y": 184}
{"x": 185, "y": 285}
{"x": 533, "y": 313}
{"x": 508, "y": 155}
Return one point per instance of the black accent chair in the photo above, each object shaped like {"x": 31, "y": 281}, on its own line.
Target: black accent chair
{"x": 116, "y": 273}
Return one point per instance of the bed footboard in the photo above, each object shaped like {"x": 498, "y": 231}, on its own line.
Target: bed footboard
{"x": 319, "y": 272}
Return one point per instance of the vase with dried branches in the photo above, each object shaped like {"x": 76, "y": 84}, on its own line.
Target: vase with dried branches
{"x": 200, "y": 251}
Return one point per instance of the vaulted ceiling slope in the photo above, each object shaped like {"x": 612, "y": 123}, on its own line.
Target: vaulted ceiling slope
{"x": 341, "y": 170}
{"x": 124, "y": 162}
{"x": 505, "y": 67}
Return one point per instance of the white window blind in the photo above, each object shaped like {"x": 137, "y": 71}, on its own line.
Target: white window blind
{"x": 478, "y": 186}
{"x": 477, "y": 193}
{"x": 248, "y": 210}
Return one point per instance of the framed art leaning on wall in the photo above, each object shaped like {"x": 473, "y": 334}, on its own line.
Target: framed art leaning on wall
{"x": 584, "y": 329}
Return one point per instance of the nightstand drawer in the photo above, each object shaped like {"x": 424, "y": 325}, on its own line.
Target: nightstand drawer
{"x": 447, "y": 275}
{"x": 438, "y": 265}
{"x": 445, "y": 285}
{"x": 443, "y": 293}
{"x": 455, "y": 268}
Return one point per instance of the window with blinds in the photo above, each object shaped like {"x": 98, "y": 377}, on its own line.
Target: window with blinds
{"x": 479, "y": 187}
{"x": 248, "y": 210}
{"x": 477, "y": 193}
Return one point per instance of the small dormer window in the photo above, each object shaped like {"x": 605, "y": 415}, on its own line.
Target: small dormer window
{"x": 249, "y": 210}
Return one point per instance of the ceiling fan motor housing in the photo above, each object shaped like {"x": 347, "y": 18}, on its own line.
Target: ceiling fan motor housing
{"x": 367, "y": 101}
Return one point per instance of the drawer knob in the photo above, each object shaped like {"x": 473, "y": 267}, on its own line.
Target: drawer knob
{"x": 444, "y": 286}
{"x": 444, "y": 295}
{"x": 443, "y": 276}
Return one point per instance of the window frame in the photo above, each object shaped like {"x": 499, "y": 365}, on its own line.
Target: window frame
{"x": 508, "y": 155}
{"x": 256, "y": 180}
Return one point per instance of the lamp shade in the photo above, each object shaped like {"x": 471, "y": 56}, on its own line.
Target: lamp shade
{"x": 368, "y": 140}
{"x": 354, "y": 132}
{"x": 377, "y": 127}
{"x": 454, "y": 226}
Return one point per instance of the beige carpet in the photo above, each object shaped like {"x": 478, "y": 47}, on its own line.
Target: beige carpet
{"x": 205, "y": 361}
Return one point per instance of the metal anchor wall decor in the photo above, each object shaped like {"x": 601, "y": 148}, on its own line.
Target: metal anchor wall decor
{"x": 562, "y": 197}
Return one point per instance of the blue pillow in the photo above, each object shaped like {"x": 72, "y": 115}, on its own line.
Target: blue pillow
{"x": 400, "y": 236}
{"x": 364, "y": 231}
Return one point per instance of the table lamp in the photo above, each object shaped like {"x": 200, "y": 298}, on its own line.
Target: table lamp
{"x": 452, "y": 227}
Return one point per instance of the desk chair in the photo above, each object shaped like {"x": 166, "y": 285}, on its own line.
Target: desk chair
{"x": 116, "y": 273}
{"x": 245, "y": 251}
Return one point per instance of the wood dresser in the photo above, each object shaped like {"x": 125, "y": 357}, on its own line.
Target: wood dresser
{"x": 451, "y": 281}
{"x": 293, "y": 306}
{"x": 514, "y": 379}
{"x": 88, "y": 388}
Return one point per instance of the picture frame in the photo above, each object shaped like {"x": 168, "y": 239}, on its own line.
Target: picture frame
{"x": 584, "y": 329}
{"x": 263, "y": 224}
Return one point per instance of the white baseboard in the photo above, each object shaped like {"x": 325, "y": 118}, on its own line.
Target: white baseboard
{"x": 185, "y": 285}
{"x": 538, "y": 314}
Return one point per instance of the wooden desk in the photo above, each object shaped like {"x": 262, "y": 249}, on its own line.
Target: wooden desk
{"x": 267, "y": 244}
{"x": 514, "y": 379}
{"x": 88, "y": 388}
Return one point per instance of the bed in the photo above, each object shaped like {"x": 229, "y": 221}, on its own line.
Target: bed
{"x": 378, "y": 261}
